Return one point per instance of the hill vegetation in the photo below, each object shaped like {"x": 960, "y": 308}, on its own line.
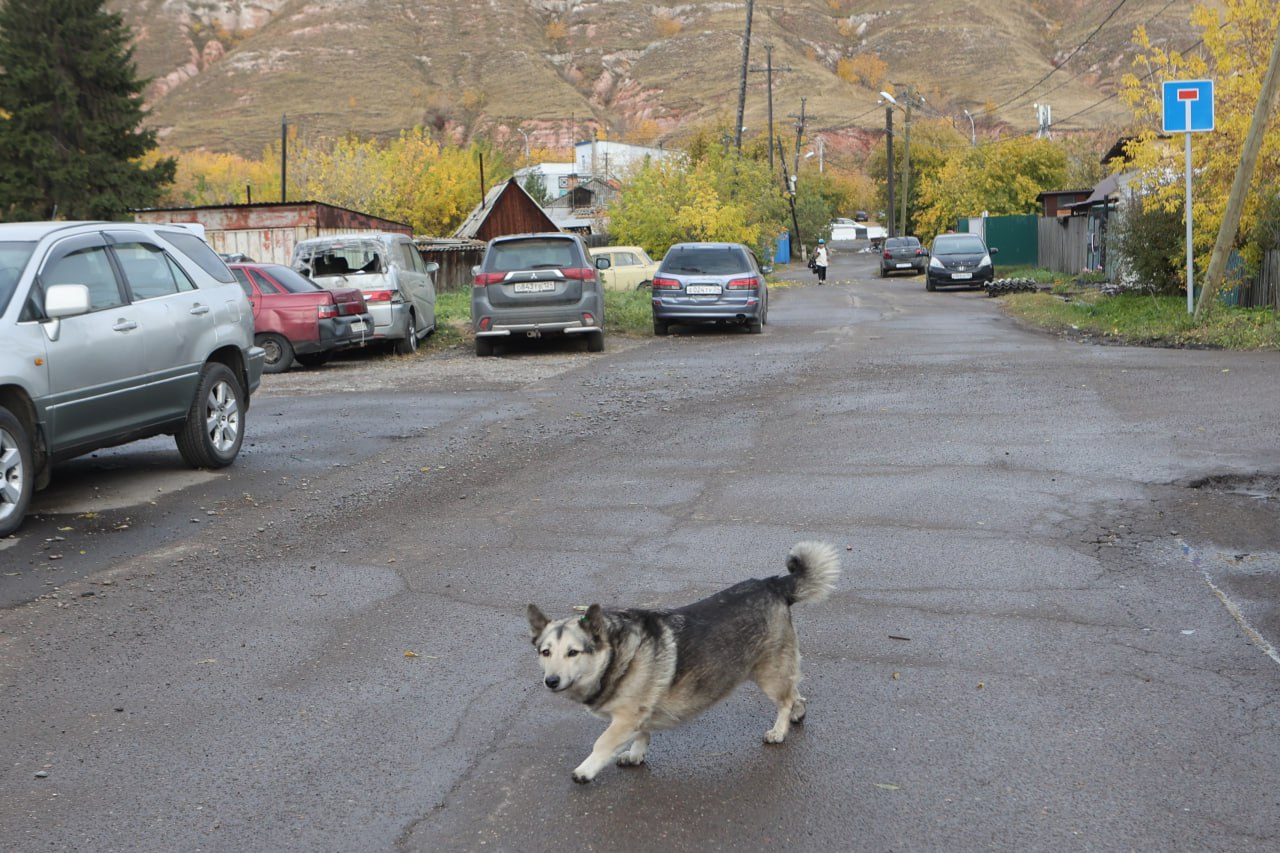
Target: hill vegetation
{"x": 225, "y": 71}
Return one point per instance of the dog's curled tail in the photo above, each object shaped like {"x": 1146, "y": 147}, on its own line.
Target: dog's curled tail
{"x": 814, "y": 568}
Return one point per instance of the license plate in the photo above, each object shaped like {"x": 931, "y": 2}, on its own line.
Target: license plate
{"x": 961, "y": 275}
{"x": 703, "y": 290}
{"x": 904, "y": 266}
{"x": 534, "y": 286}
{"x": 358, "y": 326}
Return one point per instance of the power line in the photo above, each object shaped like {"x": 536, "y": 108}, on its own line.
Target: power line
{"x": 1055, "y": 68}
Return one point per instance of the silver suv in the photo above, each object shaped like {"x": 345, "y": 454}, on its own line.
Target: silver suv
{"x": 114, "y": 332}
{"x": 534, "y": 285}
{"x": 397, "y": 283}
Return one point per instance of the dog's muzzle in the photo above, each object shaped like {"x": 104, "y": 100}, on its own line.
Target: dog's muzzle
{"x": 552, "y": 681}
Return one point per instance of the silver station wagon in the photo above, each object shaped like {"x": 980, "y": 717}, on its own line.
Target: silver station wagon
{"x": 114, "y": 332}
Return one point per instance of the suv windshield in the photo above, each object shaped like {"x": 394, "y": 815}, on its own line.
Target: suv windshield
{"x": 706, "y": 260}
{"x": 959, "y": 244}
{"x": 534, "y": 254}
{"x": 13, "y": 257}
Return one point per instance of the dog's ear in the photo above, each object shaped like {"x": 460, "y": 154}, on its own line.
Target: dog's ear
{"x": 593, "y": 620}
{"x": 537, "y": 621}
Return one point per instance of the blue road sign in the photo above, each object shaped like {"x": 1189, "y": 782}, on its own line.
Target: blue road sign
{"x": 1188, "y": 106}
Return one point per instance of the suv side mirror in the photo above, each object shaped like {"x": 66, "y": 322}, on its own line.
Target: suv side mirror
{"x": 602, "y": 263}
{"x": 66, "y": 300}
{"x": 993, "y": 250}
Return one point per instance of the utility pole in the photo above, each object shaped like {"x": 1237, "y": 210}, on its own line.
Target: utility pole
{"x": 888, "y": 148}
{"x": 284, "y": 158}
{"x": 800, "y": 122}
{"x": 1240, "y": 184}
{"x": 769, "y": 69}
{"x": 742, "y": 87}
{"x": 791, "y": 200}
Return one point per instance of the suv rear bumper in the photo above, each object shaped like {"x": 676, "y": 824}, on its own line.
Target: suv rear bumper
{"x": 536, "y": 329}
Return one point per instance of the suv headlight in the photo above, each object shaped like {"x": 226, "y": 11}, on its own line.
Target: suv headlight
{"x": 985, "y": 262}
{"x": 936, "y": 264}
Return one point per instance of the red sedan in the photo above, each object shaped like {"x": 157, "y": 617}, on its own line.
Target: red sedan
{"x": 295, "y": 318}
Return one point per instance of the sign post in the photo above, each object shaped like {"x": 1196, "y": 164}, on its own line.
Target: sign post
{"x": 1188, "y": 109}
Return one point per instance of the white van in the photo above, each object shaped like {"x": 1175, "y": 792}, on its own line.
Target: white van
{"x": 397, "y": 283}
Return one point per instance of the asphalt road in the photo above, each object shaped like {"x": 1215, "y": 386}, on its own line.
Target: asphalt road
{"x": 1056, "y": 627}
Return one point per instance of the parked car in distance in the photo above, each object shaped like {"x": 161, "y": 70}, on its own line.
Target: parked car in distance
{"x": 860, "y": 216}
{"x": 630, "y": 267}
{"x": 902, "y": 254}
{"x": 397, "y": 283}
{"x": 536, "y": 285}
{"x": 959, "y": 259}
{"x": 296, "y": 319}
{"x": 114, "y": 332}
{"x": 710, "y": 283}
{"x": 844, "y": 230}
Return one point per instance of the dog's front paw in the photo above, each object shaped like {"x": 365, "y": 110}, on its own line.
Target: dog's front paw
{"x": 581, "y": 778}
{"x": 775, "y": 736}
{"x": 629, "y": 760}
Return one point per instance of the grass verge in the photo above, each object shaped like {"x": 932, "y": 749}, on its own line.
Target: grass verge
{"x": 1145, "y": 320}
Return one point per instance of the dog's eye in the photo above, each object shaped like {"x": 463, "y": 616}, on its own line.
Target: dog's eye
{"x": 546, "y": 653}
{"x": 573, "y": 653}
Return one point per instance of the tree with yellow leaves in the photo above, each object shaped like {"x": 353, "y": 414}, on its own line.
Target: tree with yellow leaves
{"x": 1238, "y": 37}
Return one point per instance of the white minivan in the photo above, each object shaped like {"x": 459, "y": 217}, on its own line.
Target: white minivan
{"x": 397, "y": 283}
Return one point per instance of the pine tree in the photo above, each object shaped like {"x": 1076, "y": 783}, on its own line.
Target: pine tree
{"x": 71, "y": 135}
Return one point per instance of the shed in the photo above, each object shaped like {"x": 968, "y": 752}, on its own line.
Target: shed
{"x": 506, "y": 209}
{"x": 267, "y": 232}
{"x": 1058, "y": 202}
{"x": 455, "y": 257}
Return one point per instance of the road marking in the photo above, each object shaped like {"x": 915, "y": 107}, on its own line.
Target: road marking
{"x": 1193, "y": 557}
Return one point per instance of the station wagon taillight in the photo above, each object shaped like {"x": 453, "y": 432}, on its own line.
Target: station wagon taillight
{"x": 744, "y": 283}
{"x": 660, "y": 283}
{"x": 382, "y": 296}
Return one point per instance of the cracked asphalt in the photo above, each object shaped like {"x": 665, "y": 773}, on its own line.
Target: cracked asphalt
{"x": 1056, "y": 626}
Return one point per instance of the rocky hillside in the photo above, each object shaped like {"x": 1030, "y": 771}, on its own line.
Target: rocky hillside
{"x": 224, "y": 71}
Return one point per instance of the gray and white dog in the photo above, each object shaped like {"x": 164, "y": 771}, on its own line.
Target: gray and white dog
{"x": 645, "y": 670}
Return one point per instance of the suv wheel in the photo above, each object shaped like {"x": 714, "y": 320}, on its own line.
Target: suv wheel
{"x": 660, "y": 327}
{"x": 279, "y": 352}
{"x": 214, "y": 428}
{"x": 409, "y": 344}
{"x": 928, "y": 283}
{"x": 595, "y": 342}
{"x": 17, "y": 474}
{"x": 484, "y": 347}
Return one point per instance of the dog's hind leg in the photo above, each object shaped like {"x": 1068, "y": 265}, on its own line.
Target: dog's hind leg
{"x": 621, "y": 729}
{"x": 779, "y": 678}
{"x": 635, "y": 755}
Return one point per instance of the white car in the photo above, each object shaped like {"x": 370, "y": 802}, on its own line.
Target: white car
{"x": 114, "y": 332}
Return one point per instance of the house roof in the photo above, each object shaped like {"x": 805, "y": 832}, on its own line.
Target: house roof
{"x": 495, "y": 199}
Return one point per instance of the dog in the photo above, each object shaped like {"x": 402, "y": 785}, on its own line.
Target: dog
{"x": 646, "y": 670}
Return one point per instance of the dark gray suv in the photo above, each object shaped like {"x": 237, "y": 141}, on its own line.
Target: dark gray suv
{"x": 535, "y": 285}
{"x": 709, "y": 283}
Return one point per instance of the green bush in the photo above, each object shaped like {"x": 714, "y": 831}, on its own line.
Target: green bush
{"x": 1151, "y": 243}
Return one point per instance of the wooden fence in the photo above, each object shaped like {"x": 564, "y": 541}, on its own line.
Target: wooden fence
{"x": 1063, "y": 243}
{"x": 1264, "y": 289}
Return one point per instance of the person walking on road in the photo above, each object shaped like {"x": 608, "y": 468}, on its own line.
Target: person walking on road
{"x": 820, "y": 261}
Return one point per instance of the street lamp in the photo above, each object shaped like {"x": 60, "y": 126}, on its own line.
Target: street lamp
{"x": 973, "y": 132}
{"x": 906, "y": 148}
